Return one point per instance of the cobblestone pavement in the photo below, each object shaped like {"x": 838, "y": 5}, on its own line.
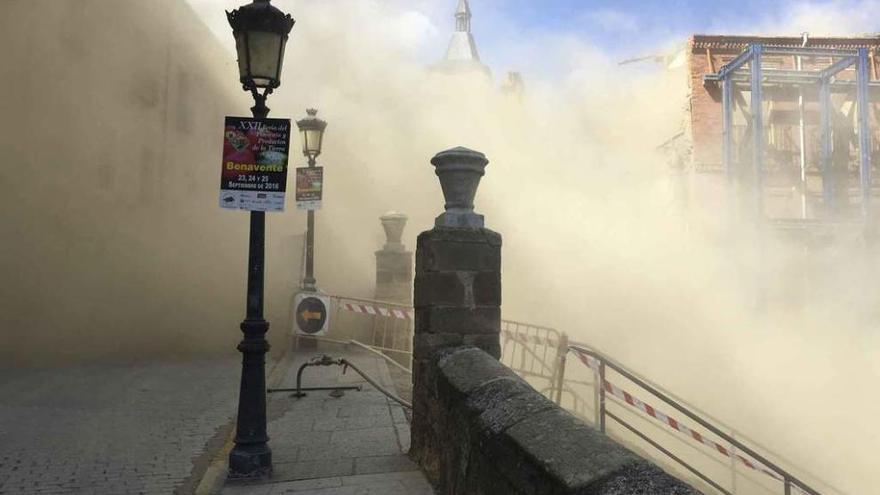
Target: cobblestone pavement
{"x": 113, "y": 429}
{"x": 350, "y": 445}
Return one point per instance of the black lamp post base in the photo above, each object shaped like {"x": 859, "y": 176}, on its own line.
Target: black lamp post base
{"x": 250, "y": 462}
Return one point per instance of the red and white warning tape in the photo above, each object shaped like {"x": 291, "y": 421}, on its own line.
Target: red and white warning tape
{"x": 672, "y": 422}
{"x": 375, "y": 310}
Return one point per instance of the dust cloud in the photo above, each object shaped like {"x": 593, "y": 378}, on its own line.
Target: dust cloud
{"x": 114, "y": 244}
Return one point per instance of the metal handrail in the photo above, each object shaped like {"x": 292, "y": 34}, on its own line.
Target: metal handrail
{"x": 704, "y": 414}
{"x": 674, "y": 457}
{"x": 787, "y": 477}
{"x": 697, "y": 410}
{"x": 700, "y": 417}
{"x": 376, "y": 351}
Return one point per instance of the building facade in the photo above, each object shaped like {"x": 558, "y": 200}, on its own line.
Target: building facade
{"x": 791, "y": 119}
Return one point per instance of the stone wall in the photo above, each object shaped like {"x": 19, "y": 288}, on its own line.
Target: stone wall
{"x": 478, "y": 428}
{"x": 492, "y": 433}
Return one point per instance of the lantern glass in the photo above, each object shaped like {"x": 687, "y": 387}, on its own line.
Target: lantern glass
{"x": 260, "y": 32}
{"x": 265, "y": 51}
{"x": 311, "y": 139}
{"x": 241, "y": 48}
{"x": 311, "y": 130}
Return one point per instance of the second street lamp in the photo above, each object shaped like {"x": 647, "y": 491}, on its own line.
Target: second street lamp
{"x": 311, "y": 130}
{"x": 260, "y": 32}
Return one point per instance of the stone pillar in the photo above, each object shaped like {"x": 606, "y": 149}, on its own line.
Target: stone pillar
{"x": 457, "y": 295}
{"x": 394, "y": 276}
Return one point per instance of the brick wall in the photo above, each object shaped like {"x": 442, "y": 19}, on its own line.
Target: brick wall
{"x": 705, "y": 101}
{"x": 705, "y": 110}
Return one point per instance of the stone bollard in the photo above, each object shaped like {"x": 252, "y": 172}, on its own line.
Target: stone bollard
{"x": 457, "y": 294}
{"x": 394, "y": 263}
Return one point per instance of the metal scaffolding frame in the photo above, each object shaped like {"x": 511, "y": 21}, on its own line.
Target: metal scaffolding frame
{"x": 747, "y": 70}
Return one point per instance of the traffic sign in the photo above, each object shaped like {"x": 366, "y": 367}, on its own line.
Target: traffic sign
{"x": 311, "y": 314}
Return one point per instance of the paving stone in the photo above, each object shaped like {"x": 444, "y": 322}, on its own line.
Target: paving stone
{"x": 361, "y": 410}
{"x": 398, "y": 416}
{"x": 112, "y": 428}
{"x": 384, "y": 464}
{"x": 356, "y": 444}
{"x": 352, "y": 423}
{"x": 299, "y": 486}
{"x": 363, "y": 479}
{"x": 312, "y": 469}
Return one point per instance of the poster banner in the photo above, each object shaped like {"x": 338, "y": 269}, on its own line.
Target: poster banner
{"x": 309, "y": 187}
{"x": 254, "y": 173}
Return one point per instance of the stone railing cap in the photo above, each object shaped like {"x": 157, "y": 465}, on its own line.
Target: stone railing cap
{"x": 394, "y": 215}
{"x": 459, "y": 152}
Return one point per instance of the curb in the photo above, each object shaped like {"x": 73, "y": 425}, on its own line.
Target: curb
{"x": 214, "y": 477}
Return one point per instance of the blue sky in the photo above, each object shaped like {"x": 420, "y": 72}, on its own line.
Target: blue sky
{"x": 541, "y": 35}
{"x": 631, "y": 27}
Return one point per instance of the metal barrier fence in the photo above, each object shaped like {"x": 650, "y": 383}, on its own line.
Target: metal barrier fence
{"x": 722, "y": 460}
{"x": 383, "y": 326}
{"x": 715, "y": 458}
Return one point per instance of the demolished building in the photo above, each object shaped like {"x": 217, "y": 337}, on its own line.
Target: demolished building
{"x": 799, "y": 176}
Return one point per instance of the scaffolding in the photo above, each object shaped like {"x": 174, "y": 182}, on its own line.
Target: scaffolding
{"x": 748, "y": 72}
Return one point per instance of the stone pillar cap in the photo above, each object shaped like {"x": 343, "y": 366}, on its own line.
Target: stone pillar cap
{"x": 459, "y": 170}
{"x": 459, "y": 152}
{"x": 393, "y": 215}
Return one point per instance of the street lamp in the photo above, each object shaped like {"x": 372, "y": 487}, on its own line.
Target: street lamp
{"x": 311, "y": 130}
{"x": 261, "y": 32}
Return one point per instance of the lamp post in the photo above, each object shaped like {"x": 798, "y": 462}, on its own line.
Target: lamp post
{"x": 261, "y": 32}
{"x": 311, "y": 129}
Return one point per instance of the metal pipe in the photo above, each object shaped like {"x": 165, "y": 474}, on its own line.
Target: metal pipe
{"x": 380, "y": 388}
{"x": 561, "y": 354}
{"x": 757, "y": 129}
{"x": 325, "y": 360}
{"x": 838, "y": 85}
{"x": 802, "y": 128}
{"x": 864, "y": 133}
{"x": 383, "y": 356}
{"x": 826, "y": 145}
{"x": 602, "y": 411}
{"x": 810, "y": 52}
{"x": 727, "y": 128}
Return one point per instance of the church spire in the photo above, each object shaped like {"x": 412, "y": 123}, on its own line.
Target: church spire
{"x": 462, "y": 56}
{"x": 463, "y": 17}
